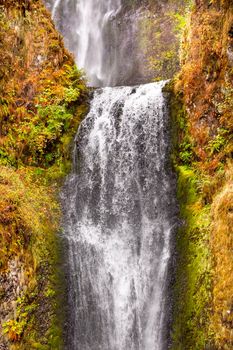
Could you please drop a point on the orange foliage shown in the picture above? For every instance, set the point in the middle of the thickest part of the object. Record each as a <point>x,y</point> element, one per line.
<point>206,83</point>
<point>222,247</point>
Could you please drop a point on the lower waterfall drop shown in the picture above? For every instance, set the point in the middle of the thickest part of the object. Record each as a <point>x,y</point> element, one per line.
<point>120,212</point>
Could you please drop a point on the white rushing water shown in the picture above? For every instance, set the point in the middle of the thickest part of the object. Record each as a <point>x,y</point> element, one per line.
<point>87,24</point>
<point>91,26</point>
<point>103,36</point>
<point>119,214</point>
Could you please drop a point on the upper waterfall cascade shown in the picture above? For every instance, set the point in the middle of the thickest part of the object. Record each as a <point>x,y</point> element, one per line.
<point>102,36</point>
<point>119,215</point>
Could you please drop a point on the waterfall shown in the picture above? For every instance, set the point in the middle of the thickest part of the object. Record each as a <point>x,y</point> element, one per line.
<point>119,202</point>
<point>91,28</point>
<point>104,38</point>
<point>119,215</point>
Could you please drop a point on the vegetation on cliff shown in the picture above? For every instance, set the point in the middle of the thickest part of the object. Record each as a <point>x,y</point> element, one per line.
<point>43,98</point>
<point>202,131</point>
<point>159,36</point>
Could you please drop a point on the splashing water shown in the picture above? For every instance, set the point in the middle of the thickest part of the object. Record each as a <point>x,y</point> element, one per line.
<point>119,215</point>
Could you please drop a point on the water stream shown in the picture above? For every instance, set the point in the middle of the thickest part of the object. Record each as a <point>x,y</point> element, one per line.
<point>119,214</point>
<point>119,202</point>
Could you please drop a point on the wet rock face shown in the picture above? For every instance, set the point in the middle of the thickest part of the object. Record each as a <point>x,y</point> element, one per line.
<point>12,285</point>
<point>230,55</point>
<point>132,42</point>
<point>230,33</point>
<point>230,46</point>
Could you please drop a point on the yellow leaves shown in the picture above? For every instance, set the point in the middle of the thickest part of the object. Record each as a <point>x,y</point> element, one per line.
<point>13,330</point>
<point>4,111</point>
<point>222,247</point>
<point>20,113</point>
<point>26,207</point>
<point>35,113</point>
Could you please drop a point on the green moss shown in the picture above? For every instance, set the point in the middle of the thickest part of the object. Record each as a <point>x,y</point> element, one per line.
<point>159,37</point>
<point>219,141</point>
<point>30,212</point>
<point>201,124</point>
<point>192,290</point>
<point>182,144</point>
